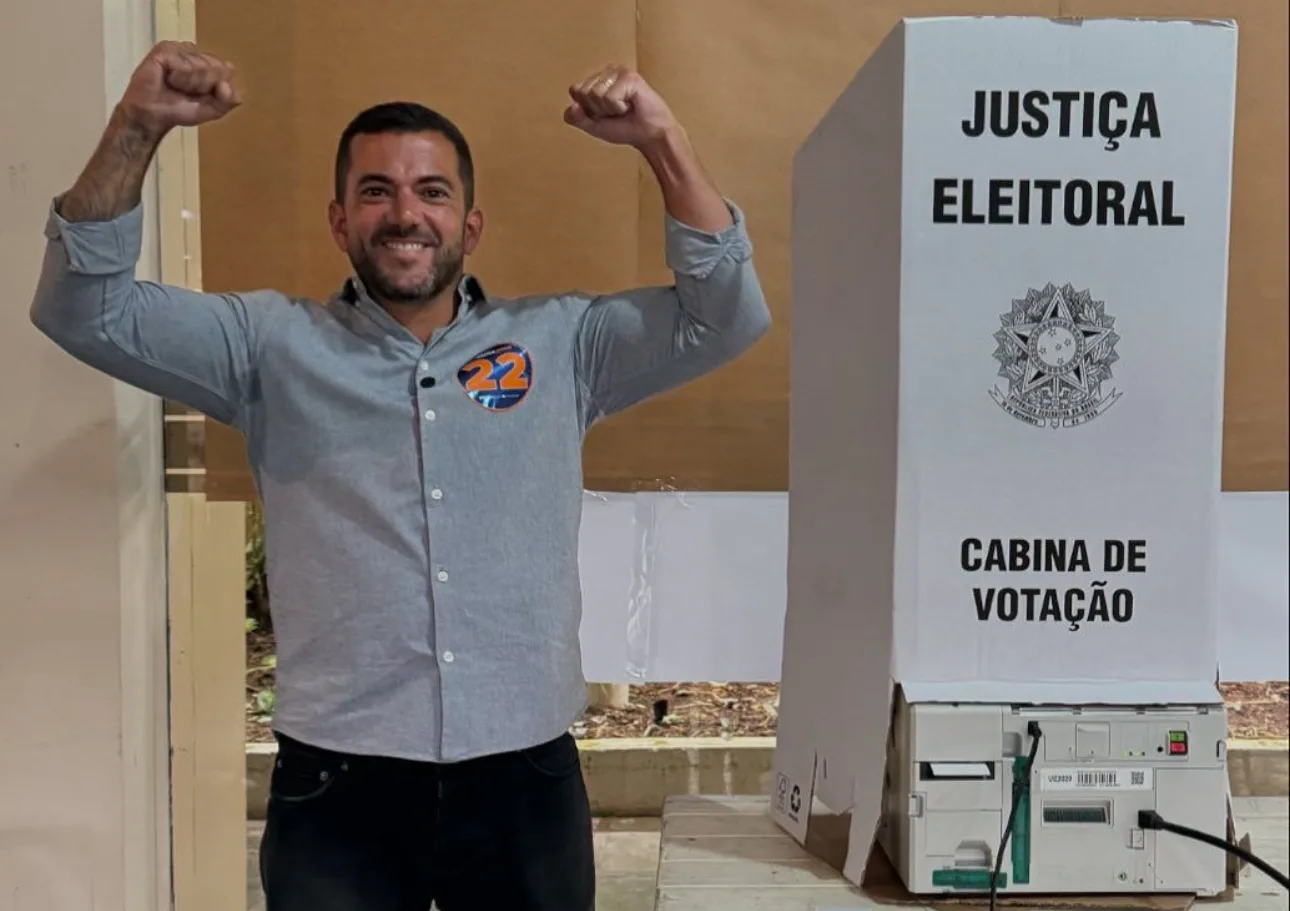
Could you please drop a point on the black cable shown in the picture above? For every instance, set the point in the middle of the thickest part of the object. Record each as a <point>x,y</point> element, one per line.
<point>1150,819</point>
<point>1020,787</point>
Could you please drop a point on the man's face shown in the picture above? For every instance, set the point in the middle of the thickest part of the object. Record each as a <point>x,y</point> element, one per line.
<point>403,222</point>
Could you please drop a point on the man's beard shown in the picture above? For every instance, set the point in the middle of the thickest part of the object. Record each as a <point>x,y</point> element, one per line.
<point>445,271</point>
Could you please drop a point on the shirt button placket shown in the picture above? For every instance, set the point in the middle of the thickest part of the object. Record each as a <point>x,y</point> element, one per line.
<point>448,656</point>
<point>436,497</point>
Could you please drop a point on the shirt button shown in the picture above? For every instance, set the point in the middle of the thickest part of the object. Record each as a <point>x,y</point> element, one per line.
<point>430,415</point>
<point>423,367</point>
<point>436,494</point>
<point>447,657</point>
<point>442,575</point>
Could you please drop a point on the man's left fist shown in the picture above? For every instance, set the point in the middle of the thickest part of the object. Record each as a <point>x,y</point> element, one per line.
<point>618,106</point>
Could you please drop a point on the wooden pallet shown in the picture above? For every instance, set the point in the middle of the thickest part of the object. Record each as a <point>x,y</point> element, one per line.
<point>726,854</point>
<point>720,853</point>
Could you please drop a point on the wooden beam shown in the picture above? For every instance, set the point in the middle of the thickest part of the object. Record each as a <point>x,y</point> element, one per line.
<point>207,572</point>
<point>208,698</point>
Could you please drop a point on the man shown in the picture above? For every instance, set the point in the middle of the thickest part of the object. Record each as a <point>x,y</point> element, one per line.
<point>416,444</point>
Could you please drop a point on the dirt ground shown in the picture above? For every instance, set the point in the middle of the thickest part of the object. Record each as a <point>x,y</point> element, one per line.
<point>1257,711</point>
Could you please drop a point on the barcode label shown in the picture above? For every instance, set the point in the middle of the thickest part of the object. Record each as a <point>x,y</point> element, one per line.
<point>1106,779</point>
<point>1095,779</point>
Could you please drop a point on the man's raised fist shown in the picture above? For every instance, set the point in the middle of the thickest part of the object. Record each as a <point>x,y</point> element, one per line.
<point>177,85</point>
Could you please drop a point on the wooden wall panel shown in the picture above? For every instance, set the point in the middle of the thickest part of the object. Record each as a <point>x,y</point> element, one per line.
<point>749,78</point>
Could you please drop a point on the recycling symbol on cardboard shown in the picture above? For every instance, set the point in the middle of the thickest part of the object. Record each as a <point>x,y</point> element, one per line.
<point>795,800</point>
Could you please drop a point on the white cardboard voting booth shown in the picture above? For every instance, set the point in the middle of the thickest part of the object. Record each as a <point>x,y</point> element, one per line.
<point>1010,248</point>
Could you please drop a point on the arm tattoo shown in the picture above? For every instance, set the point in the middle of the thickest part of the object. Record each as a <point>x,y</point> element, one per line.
<point>112,182</point>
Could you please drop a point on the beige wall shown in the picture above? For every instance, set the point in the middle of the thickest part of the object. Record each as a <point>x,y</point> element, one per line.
<point>83,819</point>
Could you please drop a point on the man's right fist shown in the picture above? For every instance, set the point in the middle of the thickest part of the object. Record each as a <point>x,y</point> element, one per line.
<point>177,85</point>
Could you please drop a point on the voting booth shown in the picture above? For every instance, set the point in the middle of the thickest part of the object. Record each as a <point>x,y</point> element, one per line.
<point>1010,255</point>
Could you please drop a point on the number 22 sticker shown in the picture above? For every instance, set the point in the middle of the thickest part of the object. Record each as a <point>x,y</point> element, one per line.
<point>499,377</point>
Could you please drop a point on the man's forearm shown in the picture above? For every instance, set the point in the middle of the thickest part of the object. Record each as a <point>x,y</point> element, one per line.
<point>689,194</point>
<point>112,182</point>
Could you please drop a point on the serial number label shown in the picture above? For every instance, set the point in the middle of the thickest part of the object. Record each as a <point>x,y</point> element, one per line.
<point>1095,780</point>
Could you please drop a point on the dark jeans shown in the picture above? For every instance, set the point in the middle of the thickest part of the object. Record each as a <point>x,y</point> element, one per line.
<point>351,833</point>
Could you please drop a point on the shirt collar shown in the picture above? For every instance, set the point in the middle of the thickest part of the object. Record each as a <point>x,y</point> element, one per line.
<point>470,289</point>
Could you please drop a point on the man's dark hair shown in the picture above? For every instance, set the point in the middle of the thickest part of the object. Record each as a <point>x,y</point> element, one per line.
<point>405,117</point>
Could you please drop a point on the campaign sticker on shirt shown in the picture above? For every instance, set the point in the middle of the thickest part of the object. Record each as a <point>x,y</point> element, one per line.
<point>498,377</point>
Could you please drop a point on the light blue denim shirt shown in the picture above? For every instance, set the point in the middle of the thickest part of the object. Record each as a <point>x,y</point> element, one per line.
<point>422,502</point>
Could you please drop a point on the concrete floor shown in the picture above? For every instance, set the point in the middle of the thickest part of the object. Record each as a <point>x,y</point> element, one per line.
<point>627,858</point>
<point>626,864</point>
<point>1267,820</point>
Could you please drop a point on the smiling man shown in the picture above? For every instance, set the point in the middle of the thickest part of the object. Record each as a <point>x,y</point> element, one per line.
<point>417,447</point>
<point>409,258</point>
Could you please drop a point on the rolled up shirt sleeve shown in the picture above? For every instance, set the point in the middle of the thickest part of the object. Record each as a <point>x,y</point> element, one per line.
<point>635,344</point>
<point>184,345</point>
